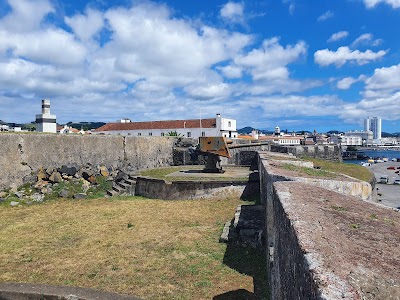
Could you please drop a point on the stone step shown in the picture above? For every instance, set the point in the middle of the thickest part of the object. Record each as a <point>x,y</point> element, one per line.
<point>129,181</point>
<point>124,185</point>
<point>118,189</point>
<point>112,193</point>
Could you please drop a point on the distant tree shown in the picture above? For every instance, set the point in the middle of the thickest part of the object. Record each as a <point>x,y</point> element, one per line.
<point>173,133</point>
<point>351,148</point>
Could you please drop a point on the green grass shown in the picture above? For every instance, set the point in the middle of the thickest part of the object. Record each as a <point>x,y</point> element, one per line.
<point>162,173</point>
<point>153,249</point>
<point>309,171</point>
<point>352,170</point>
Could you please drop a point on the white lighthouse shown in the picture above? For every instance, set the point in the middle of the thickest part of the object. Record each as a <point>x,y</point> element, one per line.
<point>46,122</point>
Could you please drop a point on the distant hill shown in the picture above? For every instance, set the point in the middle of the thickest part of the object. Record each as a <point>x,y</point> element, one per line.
<point>86,125</point>
<point>385,134</point>
<point>248,130</point>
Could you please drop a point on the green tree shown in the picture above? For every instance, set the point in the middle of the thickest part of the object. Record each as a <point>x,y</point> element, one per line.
<point>173,133</point>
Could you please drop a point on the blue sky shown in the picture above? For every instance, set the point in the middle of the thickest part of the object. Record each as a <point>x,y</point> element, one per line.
<point>293,63</point>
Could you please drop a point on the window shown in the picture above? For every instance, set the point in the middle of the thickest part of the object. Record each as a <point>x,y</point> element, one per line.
<point>189,134</point>
<point>203,133</point>
<point>229,123</point>
<point>162,134</point>
<point>139,134</point>
<point>150,133</point>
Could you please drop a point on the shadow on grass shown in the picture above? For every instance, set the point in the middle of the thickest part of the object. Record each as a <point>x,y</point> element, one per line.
<point>251,262</point>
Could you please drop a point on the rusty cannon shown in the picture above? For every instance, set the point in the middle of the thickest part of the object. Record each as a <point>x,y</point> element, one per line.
<point>215,147</point>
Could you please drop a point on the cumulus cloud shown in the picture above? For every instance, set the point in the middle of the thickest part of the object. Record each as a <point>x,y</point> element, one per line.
<point>338,36</point>
<point>271,60</point>
<point>231,71</point>
<point>384,78</point>
<point>86,26</point>
<point>325,16</point>
<point>366,39</point>
<point>233,12</point>
<point>347,82</point>
<point>343,55</point>
<point>26,15</point>
<point>373,3</point>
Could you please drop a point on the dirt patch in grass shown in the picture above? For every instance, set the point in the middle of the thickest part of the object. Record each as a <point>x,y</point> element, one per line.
<point>153,249</point>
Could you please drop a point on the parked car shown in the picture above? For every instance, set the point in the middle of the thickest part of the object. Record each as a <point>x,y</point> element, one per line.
<point>384,179</point>
<point>391,168</point>
<point>396,181</point>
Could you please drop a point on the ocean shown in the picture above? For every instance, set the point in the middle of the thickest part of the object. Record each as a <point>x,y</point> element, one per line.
<point>375,153</point>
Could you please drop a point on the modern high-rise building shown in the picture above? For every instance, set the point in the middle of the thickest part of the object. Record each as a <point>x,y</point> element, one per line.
<point>374,124</point>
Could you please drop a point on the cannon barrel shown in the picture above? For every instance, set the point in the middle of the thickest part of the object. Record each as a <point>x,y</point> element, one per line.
<point>246,145</point>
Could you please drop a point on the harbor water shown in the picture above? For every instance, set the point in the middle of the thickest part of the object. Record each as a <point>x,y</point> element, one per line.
<point>378,153</point>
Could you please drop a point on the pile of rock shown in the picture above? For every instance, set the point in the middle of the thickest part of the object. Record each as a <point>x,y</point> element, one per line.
<point>65,182</point>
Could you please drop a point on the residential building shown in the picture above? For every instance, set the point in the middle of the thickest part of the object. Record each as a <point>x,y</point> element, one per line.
<point>284,140</point>
<point>367,136</point>
<point>374,124</point>
<point>46,122</point>
<point>195,128</point>
<point>347,140</point>
<point>67,129</point>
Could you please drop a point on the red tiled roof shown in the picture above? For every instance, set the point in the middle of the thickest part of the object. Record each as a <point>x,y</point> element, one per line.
<point>171,124</point>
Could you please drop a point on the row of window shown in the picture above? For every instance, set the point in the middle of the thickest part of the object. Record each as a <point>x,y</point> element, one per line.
<point>188,134</point>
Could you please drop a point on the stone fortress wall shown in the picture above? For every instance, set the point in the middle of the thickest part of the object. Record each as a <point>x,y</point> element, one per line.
<point>321,244</point>
<point>21,155</point>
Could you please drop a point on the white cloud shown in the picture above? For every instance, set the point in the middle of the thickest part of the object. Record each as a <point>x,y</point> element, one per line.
<point>373,3</point>
<point>366,39</point>
<point>338,36</point>
<point>231,71</point>
<point>347,82</point>
<point>344,54</point>
<point>326,15</point>
<point>384,79</point>
<point>233,12</point>
<point>26,15</point>
<point>86,26</point>
<point>270,61</point>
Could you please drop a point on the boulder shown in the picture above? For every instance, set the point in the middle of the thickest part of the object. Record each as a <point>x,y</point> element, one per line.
<point>87,173</point>
<point>14,203</point>
<point>50,170</point>
<point>63,193</point>
<point>92,179</point>
<point>55,177</point>
<point>103,171</point>
<point>80,196</point>
<point>36,197</point>
<point>40,184</point>
<point>69,170</point>
<point>19,194</point>
<point>42,175</point>
<point>3,194</point>
<point>2,200</point>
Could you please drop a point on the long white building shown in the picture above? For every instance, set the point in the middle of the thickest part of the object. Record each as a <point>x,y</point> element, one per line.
<point>195,128</point>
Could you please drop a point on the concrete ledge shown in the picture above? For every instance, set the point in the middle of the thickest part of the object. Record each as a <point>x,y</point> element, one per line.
<point>26,291</point>
<point>187,189</point>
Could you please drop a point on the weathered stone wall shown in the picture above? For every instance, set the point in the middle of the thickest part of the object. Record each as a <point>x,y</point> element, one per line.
<point>324,244</point>
<point>161,189</point>
<point>326,152</point>
<point>22,154</point>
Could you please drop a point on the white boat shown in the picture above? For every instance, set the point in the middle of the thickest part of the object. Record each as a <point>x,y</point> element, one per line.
<point>385,159</point>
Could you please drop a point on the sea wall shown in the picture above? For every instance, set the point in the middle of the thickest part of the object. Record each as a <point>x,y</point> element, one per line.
<point>23,154</point>
<point>324,244</point>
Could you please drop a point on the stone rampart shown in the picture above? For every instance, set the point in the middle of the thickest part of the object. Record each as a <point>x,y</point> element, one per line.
<point>22,154</point>
<point>326,152</point>
<point>325,244</point>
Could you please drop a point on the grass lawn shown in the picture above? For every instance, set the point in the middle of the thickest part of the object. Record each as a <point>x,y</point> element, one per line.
<point>153,249</point>
<point>352,170</point>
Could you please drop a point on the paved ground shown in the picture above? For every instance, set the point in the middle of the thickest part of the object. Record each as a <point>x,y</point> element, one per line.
<point>390,193</point>
<point>230,172</point>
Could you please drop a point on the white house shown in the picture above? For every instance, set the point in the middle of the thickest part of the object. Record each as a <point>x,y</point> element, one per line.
<point>195,128</point>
